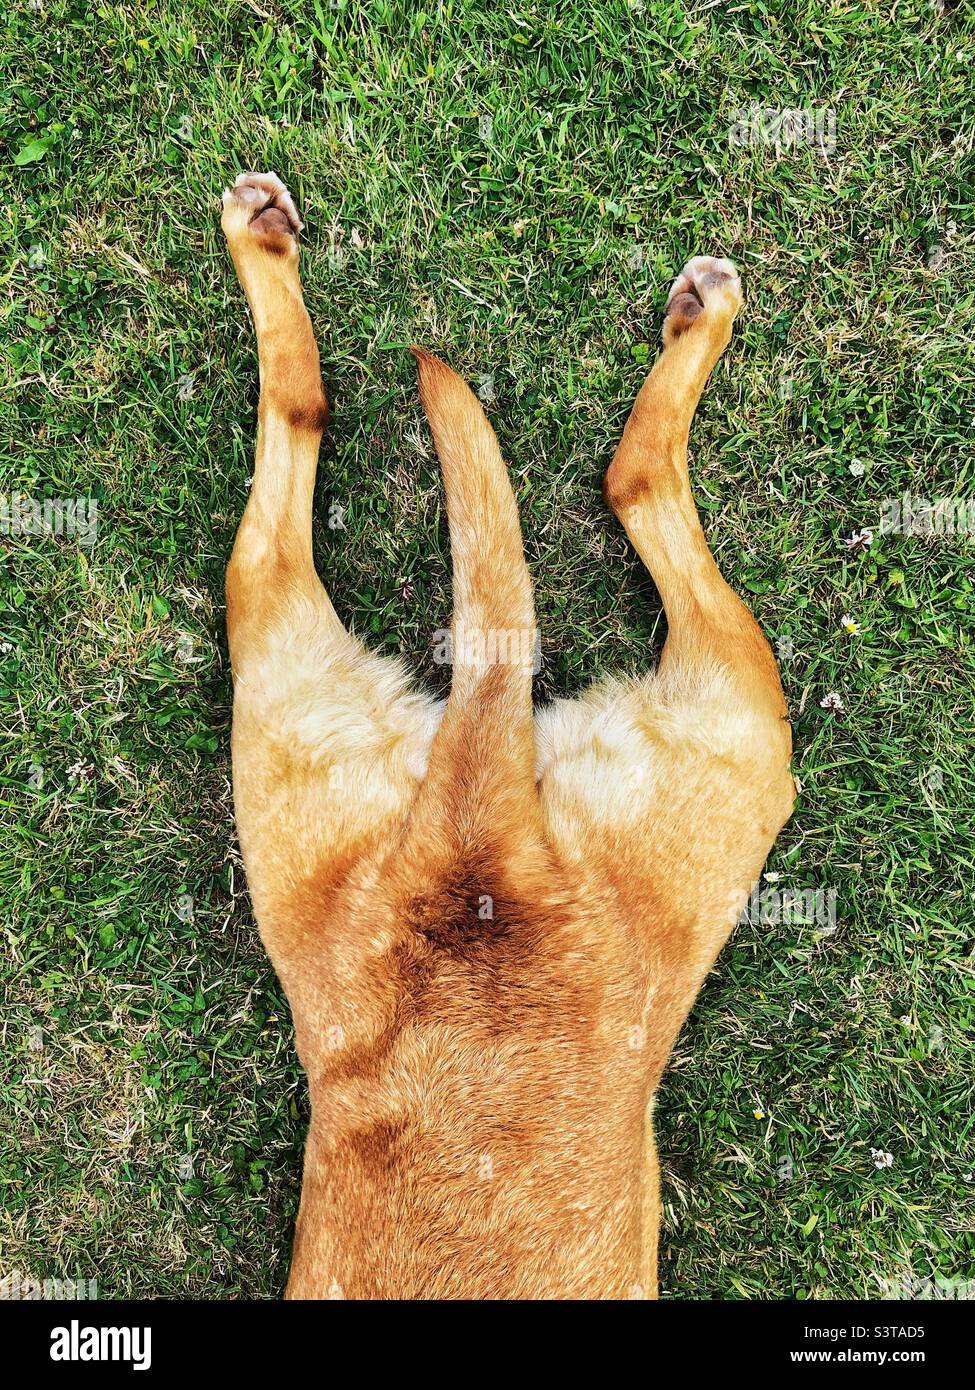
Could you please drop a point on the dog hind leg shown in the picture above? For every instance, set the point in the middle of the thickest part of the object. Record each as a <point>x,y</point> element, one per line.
<point>328,742</point>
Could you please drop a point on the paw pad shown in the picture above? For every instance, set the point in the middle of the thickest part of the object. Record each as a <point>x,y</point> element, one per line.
<point>705,282</point>
<point>259,205</point>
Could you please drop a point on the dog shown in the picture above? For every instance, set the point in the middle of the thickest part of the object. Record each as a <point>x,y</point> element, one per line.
<point>490,923</point>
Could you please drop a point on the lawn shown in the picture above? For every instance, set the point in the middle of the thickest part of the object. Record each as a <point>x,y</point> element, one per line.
<point>513,186</point>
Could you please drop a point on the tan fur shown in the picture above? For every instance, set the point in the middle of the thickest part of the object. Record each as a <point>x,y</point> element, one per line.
<point>490,924</point>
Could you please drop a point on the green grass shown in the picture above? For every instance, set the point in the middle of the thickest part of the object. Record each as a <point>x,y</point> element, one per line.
<point>538,252</point>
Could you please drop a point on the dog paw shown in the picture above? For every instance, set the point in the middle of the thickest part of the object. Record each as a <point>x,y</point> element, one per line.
<point>259,207</point>
<point>706,282</point>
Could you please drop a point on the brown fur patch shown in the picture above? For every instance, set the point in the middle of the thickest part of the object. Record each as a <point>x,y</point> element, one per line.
<point>275,245</point>
<point>375,1147</point>
<point>623,491</point>
<point>312,417</point>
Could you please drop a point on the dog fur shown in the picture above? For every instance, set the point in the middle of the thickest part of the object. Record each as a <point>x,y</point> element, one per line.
<point>490,923</point>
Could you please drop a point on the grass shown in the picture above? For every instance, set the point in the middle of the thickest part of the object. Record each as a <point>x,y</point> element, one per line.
<point>534,248</point>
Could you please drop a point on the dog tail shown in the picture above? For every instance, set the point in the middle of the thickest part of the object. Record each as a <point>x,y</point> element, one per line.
<point>493,638</point>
